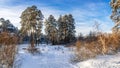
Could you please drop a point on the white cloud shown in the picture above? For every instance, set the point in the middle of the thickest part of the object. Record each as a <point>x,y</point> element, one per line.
<point>12,13</point>
<point>5,1</point>
<point>89,14</point>
<point>51,11</point>
<point>84,30</point>
<point>84,18</point>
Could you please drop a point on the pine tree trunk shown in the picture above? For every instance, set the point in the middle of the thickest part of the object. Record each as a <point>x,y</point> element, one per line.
<point>65,37</point>
<point>53,43</point>
<point>32,40</point>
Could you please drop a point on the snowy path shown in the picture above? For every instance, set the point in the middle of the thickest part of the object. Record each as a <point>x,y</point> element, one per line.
<point>50,57</point>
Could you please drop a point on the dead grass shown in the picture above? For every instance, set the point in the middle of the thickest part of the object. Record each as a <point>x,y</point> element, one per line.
<point>99,44</point>
<point>8,49</point>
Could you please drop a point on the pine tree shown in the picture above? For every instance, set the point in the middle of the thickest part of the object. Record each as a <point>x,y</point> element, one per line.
<point>115,5</point>
<point>66,28</point>
<point>71,28</point>
<point>6,25</point>
<point>31,22</point>
<point>51,29</point>
<point>60,29</point>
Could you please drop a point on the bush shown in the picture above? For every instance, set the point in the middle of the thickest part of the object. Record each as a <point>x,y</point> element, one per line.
<point>99,44</point>
<point>8,49</point>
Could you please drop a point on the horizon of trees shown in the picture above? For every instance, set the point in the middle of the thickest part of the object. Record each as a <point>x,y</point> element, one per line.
<point>59,31</point>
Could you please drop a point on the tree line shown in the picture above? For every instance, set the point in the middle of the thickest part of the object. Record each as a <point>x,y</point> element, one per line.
<point>59,31</point>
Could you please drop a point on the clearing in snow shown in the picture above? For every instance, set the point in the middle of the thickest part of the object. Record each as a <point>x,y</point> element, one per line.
<point>49,57</point>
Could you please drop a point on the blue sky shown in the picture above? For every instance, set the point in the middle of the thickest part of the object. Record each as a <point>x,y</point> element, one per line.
<point>85,12</point>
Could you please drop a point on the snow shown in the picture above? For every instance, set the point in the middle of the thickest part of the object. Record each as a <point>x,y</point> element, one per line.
<point>106,61</point>
<point>60,57</point>
<point>49,57</point>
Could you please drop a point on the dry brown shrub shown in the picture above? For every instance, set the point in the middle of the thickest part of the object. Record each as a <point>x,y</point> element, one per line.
<point>8,49</point>
<point>86,50</point>
<point>104,42</point>
<point>100,44</point>
<point>78,45</point>
<point>109,42</point>
<point>115,41</point>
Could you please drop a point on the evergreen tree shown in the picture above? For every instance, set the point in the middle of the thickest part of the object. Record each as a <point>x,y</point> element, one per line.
<point>66,28</point>
<point>31,22</point>
<point>71,28</point>
<point>115,5</point>
<point>51,29</point>
<point>60,29</point>
<point>6,25</point>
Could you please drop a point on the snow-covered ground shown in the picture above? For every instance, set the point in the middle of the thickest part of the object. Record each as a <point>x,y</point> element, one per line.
<point>60,57</point>
<point>107,61</point>
<point>49,57</point>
